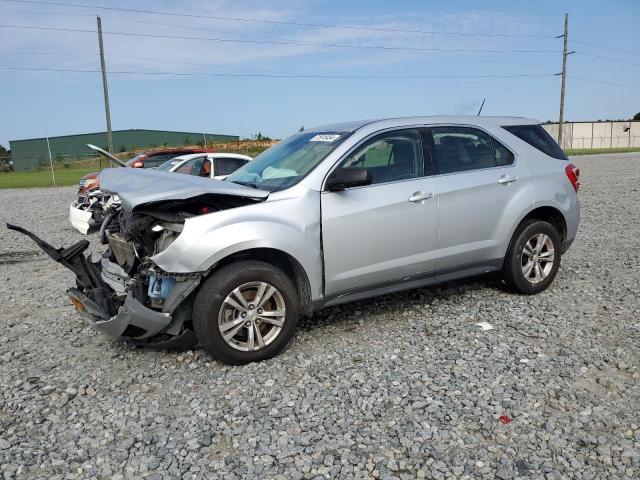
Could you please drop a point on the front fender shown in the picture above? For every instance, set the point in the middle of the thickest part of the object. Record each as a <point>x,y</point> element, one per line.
<point>291,225</point>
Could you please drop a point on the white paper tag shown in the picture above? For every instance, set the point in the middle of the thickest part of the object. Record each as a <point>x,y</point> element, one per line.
<point>485,326</point>
<point>325,138</point>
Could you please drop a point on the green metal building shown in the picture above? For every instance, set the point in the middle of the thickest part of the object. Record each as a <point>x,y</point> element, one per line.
<point>30,153</point>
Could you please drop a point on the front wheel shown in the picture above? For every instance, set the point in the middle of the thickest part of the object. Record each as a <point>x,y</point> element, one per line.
<point>245,312</point>
<point>533,257</point>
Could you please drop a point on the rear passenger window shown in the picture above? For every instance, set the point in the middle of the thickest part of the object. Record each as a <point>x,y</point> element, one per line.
<point>390,156</point>
<point>226,166</point>
<point>503,156</point>
<point>460,149</point>
<point>537,137</point>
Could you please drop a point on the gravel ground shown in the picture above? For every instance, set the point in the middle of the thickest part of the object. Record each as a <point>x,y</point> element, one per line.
<point>403,386</point>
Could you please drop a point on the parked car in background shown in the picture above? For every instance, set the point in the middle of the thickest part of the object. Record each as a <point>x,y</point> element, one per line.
<point>330,215</point>
<point>148,159</point>
<point>92,203</point>
<point>209,165</point>
<point>155,158</point>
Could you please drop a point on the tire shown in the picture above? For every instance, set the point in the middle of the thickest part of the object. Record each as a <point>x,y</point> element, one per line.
<point>518,261</point>
<point>217,307</point>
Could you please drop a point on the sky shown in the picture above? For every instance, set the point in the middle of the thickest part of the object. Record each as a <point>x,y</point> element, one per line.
<point>506,51</point>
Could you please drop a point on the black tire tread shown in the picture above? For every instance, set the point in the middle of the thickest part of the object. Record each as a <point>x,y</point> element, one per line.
<point>511,271</point>
<point>212,293</point>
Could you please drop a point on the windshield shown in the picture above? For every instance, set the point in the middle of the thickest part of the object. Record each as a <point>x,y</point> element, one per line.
<point>168,165</point>
<point>289,161</point>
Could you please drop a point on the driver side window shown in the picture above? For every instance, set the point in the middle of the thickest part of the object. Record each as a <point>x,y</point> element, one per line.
<point>390,156</point>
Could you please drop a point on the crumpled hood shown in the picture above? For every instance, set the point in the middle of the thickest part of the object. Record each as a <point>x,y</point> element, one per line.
<point>137,186</point>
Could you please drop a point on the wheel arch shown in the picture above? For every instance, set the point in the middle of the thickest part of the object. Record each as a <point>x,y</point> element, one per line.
<point>281,260</point>
<point>550,214</point>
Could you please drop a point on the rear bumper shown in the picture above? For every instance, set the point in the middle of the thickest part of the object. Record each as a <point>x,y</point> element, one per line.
<point>133,320</point>
<point>80,219</point>
<point>573,221</point>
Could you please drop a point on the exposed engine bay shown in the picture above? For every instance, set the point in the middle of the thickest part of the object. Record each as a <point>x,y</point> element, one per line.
<point>124,293</point>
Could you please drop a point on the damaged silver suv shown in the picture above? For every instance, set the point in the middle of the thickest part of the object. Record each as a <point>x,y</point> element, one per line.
<point>327,216</point>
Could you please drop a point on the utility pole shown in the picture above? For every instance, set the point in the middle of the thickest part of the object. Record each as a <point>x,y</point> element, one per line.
<point>105,87</point>
<point>564,75</point>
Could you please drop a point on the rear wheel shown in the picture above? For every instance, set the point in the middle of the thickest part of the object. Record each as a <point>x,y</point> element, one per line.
<point>245,312</point>
<point>533,257</point>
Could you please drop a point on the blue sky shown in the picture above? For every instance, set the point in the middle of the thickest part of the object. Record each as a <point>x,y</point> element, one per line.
<point>38,103</point>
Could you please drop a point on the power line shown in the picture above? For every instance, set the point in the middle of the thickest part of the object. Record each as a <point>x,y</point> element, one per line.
<point>406,81</point>
<point>57,54</point>
<point>637,54</point>
<point>311,76</point>
<point>199,64</point>
<point>606,58</point>
<point>148,59</point>
<point>286,74</point>
<point>130,19</point>
<point>275,42</point>
<point>602,82</point>
<point>154,59</point>
<point>278,22</point>
<point>268,75</point>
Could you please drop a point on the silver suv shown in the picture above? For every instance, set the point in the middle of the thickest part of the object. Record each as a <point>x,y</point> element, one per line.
<point>329,215</point>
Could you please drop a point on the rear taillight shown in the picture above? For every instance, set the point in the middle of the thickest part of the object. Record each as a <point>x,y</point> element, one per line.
<point>573,174</point>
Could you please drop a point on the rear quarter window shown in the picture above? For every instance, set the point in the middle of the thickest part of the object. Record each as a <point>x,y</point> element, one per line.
<point>538,138</point>
<point>227,165</point>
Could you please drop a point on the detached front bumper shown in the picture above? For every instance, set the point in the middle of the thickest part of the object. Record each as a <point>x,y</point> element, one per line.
<point>80,219</point>
<point>133,319</point>
<point>135,322</point>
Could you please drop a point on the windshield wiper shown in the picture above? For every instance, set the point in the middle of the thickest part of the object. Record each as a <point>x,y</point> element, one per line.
<point>246,184</point>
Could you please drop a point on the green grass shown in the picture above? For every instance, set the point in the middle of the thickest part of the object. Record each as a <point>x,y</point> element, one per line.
<point>598,151</point>
<point>71,176</point>
<point>42,178</point>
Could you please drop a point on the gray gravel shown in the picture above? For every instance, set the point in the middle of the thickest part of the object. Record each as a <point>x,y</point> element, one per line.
<point>402,386</point>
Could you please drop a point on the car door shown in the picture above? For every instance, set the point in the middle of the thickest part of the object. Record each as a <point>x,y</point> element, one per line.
<point>478,182</point>
<point>386,231</point>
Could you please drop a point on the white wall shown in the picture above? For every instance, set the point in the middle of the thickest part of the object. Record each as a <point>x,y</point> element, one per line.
<point>596,134</point>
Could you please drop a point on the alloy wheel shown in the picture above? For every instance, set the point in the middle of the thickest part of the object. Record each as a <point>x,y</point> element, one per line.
<point>252,316</point>
<point>538,257</point>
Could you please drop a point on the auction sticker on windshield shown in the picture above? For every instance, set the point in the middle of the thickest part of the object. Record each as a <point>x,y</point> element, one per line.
<point>324,138</point>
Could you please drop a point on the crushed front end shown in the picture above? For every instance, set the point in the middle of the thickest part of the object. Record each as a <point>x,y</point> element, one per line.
<point>124,294</point>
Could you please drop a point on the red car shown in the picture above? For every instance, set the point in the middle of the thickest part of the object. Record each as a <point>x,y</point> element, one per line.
<point>142,160</point>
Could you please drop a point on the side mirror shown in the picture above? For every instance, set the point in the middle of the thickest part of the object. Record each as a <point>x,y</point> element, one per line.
<point>348,177</point>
